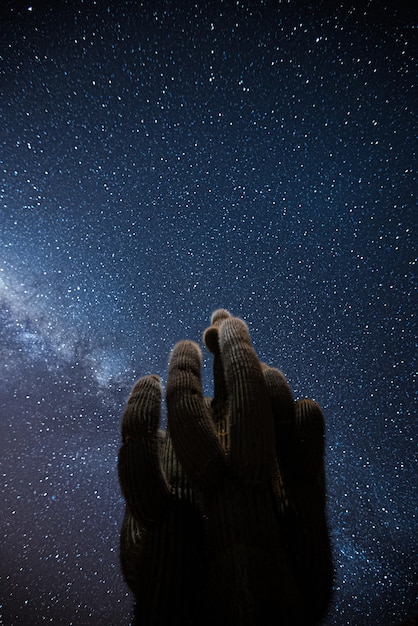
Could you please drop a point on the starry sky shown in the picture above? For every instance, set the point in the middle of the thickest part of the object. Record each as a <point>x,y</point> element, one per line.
<point>162,159</point>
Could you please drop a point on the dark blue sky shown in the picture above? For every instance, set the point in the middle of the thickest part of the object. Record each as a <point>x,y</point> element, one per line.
<point>163,159</point>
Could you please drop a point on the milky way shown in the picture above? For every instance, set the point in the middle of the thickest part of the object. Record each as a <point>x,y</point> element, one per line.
<point>163,159</point>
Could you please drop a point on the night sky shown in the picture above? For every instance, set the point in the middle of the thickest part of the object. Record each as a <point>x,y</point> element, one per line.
<point>162,159</point>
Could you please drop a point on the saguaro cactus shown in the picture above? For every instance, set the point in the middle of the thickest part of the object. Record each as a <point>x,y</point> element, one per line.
<point>225,515</point>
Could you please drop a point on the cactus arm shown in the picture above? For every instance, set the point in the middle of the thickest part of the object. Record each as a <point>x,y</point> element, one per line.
<point>284,416</point>
<point>310,433</point>
<point>251,428</point>
<point>191,428</point>
<point>161,543</point>
<point>142,481</point>
<point>302,514</point>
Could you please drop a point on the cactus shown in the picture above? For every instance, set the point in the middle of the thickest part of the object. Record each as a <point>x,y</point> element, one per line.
<point>161,542</point>
<point>225,514</point>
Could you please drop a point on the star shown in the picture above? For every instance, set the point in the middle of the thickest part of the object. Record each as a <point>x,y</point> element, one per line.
<point>162,160</point>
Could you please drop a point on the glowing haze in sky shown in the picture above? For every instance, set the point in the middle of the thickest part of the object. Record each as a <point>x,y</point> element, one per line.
<point>163,159</point>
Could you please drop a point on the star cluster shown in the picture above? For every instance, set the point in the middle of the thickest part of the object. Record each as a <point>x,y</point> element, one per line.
<point>162,159</point>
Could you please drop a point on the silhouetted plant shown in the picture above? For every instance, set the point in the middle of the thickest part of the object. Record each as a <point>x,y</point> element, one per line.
<point>225,513</point>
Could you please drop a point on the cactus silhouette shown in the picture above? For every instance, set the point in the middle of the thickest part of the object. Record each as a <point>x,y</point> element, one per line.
<point>225,513</point>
